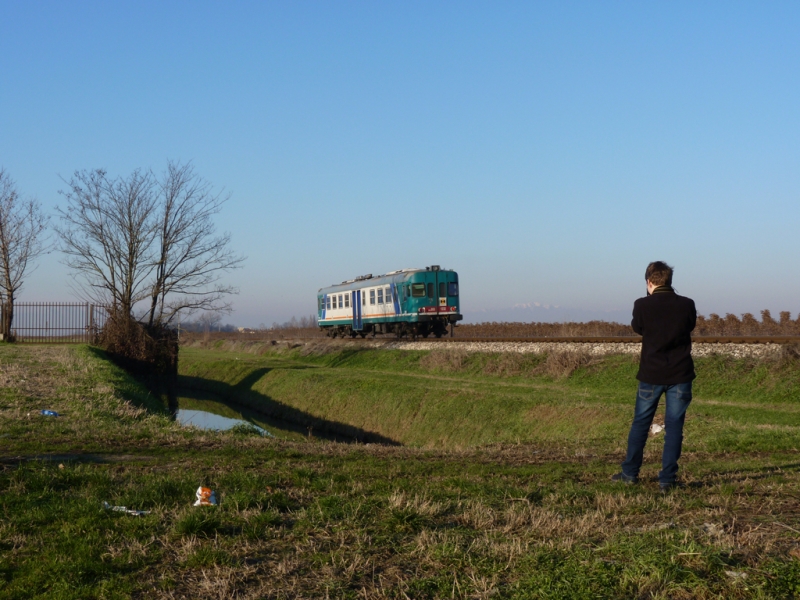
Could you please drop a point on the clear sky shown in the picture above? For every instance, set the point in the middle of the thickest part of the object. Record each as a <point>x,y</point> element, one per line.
<point>547,151</point>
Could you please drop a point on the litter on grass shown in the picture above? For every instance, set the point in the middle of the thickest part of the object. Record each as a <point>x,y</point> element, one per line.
<point>655,429</point>
<point>736,574</point>
<point>49,413</point>
<point>125,509</point>
<point>206,497</point>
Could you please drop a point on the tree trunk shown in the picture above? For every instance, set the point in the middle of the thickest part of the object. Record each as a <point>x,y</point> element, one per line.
<point>8,317</point>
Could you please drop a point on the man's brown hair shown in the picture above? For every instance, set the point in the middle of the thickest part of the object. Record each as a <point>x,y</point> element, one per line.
<point>658,273</point>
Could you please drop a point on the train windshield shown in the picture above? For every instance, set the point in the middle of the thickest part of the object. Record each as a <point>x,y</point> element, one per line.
<point>452,288</point>
<point>418,290</point>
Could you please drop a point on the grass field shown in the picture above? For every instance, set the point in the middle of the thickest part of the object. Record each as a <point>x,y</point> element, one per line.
<point>492,481</point>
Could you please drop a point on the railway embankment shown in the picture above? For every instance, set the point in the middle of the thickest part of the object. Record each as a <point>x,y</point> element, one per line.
<point>316,345</point>
<point>442,395</point>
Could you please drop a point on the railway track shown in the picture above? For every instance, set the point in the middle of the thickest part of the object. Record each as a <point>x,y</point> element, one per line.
<point>761,339</point>
<point>782,339</point>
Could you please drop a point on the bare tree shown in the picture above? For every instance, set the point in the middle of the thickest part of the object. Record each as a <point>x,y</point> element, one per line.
<point>107,233</point>
<point>190,258</point>
<point>22,225</point>
<point>209,320</point>
<point>139,238</point>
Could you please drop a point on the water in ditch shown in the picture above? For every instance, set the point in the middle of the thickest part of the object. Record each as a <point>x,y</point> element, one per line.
<point>208,411</point>
<point>209,420</point>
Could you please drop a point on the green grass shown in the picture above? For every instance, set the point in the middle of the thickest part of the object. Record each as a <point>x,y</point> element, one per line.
<point>449,400</point>
<point>451,518</point>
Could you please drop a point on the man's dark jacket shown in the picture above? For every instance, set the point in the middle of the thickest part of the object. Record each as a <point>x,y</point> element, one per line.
<point>665,321</point>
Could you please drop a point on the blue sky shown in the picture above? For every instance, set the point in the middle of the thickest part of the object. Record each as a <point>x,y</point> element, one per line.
<point>547,151</point>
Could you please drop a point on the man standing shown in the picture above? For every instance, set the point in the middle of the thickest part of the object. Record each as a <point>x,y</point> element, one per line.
<point>665,321</point>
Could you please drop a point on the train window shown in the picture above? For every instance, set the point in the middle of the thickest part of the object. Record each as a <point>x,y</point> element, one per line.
<point>328,302</point>
<point>452,288</point>
<point>388,295</point>
<point>347,300</point>
<point>418,290</point>
<point>341,305</point>
<point>442,288</point>
<point>334,303</point>
<point>430,290</point>
<point>372,296</point>
<point>380,295</point>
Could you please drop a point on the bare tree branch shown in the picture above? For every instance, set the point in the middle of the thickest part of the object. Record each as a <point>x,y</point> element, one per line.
<point>191,257</point>
<point>22,225</point>
<point>107,233</point>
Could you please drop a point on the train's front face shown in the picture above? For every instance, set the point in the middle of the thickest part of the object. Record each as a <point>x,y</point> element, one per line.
<point>433,295</point>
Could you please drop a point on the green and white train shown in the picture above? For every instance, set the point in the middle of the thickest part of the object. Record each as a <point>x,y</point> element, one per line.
<point>406,302</point>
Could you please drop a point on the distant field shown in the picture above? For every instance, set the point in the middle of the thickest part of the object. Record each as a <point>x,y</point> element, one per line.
<point>499,486</point>
<point>713,325</point>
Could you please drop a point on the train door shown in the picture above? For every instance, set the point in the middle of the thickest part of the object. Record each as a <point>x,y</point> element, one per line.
<point>441,287</point>
<point>357,323</point>
<point>396,299</point>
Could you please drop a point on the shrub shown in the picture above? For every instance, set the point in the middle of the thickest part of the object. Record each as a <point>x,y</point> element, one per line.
<point>149,353</point>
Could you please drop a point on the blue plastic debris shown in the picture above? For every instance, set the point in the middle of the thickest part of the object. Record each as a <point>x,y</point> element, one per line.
<point>49,413</point>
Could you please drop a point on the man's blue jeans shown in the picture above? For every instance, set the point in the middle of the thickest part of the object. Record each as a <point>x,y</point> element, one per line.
<point>678,398</point>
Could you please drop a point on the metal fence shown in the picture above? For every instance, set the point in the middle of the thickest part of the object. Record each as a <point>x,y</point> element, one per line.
<point>56,322</point>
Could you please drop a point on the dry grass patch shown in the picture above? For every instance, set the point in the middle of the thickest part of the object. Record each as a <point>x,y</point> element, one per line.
<point>560,365</point>
<point>418,503</point>
<point>448,361</point>
<point>508,364</point>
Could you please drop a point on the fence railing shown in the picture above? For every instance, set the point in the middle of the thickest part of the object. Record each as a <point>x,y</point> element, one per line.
<point>56,322</point>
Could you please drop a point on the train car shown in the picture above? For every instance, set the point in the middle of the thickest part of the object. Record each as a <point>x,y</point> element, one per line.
<point>408,302</point>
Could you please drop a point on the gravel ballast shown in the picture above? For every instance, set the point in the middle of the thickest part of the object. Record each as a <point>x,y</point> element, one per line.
<point>597,349</point>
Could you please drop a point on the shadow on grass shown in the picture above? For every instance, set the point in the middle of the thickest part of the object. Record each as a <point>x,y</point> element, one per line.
<point>740,475</point>
<point>272,412</point>
<point>141,387</point>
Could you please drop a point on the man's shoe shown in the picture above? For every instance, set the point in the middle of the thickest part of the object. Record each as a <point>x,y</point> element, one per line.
<point>622,478</point>
<point>667,487</point>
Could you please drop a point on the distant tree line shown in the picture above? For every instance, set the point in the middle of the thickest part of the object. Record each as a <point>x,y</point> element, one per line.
<point>712,326</point>
<point>205,326</point>
<point>309,322</point>
<point>747,325</point>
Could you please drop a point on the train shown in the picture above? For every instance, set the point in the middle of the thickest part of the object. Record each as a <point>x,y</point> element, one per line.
<point>408,302</point>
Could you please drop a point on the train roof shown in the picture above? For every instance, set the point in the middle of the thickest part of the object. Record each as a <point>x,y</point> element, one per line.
<point>376,279</point>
